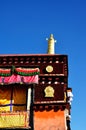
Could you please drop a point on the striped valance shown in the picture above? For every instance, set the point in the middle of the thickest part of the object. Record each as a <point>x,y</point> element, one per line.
<point>19,75</point>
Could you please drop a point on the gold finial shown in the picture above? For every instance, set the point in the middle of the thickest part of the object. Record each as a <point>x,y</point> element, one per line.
<point>51,44</point>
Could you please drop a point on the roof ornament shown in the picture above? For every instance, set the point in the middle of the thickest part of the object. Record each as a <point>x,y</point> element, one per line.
<point>51,44</point>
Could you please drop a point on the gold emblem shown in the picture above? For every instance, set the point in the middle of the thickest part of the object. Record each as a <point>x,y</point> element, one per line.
<point>49,68</point>
<point>49,91</point>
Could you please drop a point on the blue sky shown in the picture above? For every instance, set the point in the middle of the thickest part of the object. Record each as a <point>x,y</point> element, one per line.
<point>24,27</point>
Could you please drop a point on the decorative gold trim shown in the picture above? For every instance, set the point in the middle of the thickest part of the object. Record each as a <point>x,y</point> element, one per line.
<point>64,96</point>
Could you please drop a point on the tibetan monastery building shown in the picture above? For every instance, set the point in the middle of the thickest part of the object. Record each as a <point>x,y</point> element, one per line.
<point>34,92</point>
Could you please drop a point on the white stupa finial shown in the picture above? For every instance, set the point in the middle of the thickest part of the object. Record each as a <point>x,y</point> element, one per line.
<point>51,44</point>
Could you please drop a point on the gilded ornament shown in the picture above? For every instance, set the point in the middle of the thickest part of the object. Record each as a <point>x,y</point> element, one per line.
<point>49,91</point>
<point>49,68</point>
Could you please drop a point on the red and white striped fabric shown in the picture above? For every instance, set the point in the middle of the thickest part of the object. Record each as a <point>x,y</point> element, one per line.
<point>20,75</point>
<point>19,79</point>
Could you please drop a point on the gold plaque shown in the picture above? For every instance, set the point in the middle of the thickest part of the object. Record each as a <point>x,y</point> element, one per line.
<point>49,91</point>
<point>49,68</point>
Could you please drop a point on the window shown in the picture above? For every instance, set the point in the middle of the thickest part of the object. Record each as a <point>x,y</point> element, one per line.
<point>13,97</point>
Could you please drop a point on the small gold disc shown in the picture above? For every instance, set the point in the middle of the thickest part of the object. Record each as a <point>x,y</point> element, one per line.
<point>49,68</point>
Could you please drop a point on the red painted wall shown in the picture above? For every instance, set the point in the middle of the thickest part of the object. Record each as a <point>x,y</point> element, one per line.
<point>49,120</point>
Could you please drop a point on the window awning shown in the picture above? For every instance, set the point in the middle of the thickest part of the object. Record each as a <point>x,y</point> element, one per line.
<point>19,75</point>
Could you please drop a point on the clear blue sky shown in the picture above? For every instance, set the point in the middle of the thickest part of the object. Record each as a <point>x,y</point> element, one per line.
<point>24,26</point>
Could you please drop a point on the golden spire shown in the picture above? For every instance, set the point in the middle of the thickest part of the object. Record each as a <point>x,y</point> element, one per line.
<point>51,44</point>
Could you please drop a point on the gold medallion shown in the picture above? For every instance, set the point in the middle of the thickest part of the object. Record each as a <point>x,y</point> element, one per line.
<point>49,68</point>
<point>49,91</point>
